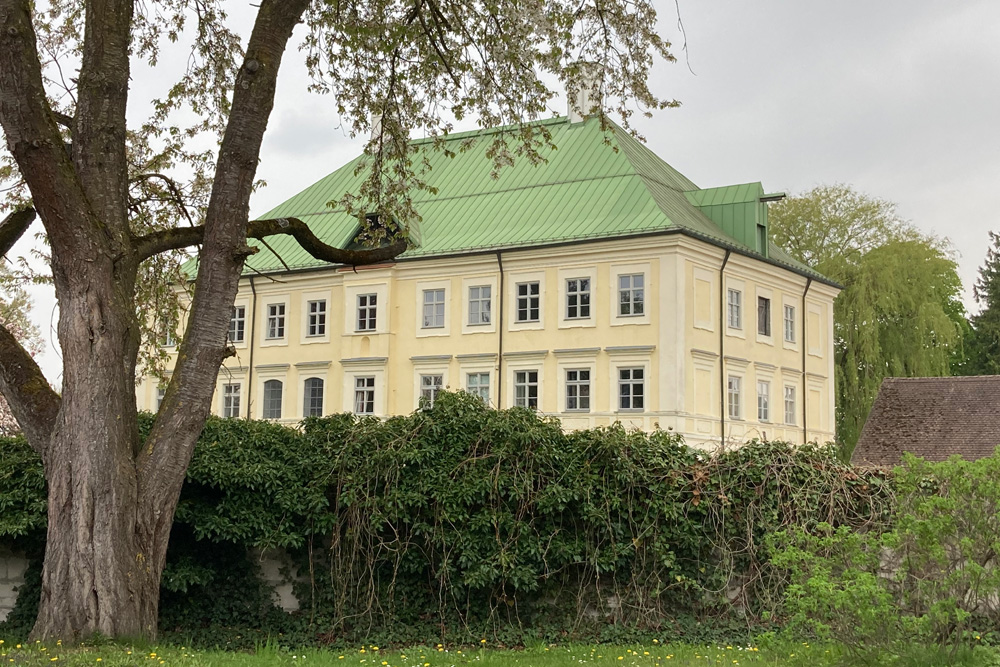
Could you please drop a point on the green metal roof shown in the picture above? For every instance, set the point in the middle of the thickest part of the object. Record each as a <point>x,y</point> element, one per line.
<point>592,186</point>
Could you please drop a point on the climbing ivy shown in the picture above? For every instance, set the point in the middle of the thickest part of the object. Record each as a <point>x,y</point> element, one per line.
<point>460,522</point>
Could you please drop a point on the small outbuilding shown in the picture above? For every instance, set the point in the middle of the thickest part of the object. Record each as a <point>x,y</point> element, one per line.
<point>933,418</point>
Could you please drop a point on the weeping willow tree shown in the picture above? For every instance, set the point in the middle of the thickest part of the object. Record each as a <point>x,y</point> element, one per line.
<point>899,314</point>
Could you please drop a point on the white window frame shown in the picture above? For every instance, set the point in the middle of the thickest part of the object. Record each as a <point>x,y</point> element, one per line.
<point>227,408</point>
<point>468,326</point>
<point>161,392</point>
<point>788,322</point>
<point>791,405</point>
<point>764,301</point>
<point>763,401</point>
<point>477,390</point>
<point>307,397</point>
<point>368,384</point>
<point>238,316</point>
<point>578,389</point>
<point>528,297</point>
<point>631,382</point>
<point>266,401</point>
<point>316,318</point>
<point>527,384</point>
<point>276,321</point>
<point>435,309</point>
<point>366,312</point>
<point>734,308</point>
<point>578,297</point>
<point>351,300</point>
<point>631,290</point>
<point>734,397</point>
<point>513,280</point>
<point>430,385</point>
<point>617,272</point>
<point>167,337</point>
<point>478,310</point>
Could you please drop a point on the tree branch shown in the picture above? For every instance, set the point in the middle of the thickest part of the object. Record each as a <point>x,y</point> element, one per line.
<point>34,138</point>
<point>32,401</point>
<point>13,227</point>
<point>188,398</point>
<point>183,237</point>
<point>99,136</point>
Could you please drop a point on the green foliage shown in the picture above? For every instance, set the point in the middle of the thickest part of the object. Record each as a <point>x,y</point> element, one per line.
<point>22,490</point>
<point>930,577</point>
<point>983,349</point>
<point>900,314</point>
<point>462,522</point>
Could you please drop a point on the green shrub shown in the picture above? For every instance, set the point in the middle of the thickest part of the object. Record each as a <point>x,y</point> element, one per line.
<point>928,577</point>
<point>462,522</point>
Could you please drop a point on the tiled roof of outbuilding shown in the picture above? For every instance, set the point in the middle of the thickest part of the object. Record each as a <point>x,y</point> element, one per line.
<point>933,418</point>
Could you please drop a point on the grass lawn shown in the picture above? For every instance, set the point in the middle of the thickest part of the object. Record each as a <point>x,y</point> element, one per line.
<point>651,655</point>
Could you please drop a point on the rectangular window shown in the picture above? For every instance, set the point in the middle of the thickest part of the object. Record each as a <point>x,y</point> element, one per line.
<point>316,325</point>
<point>433,309</point>
<point>577,298</point>
<point>480,305</point>
<point>238,324</point>
<point>479,385</point>
<point>275,321</point>
<point>735,302</point>
<point>734,386</point>
<point>273,390</point>
<point>364,395</point>
<point>578,390</point>
<point>526,389</point>
<point>430,385</point>
<point>763,316</point>
<point>528,299</point>
<point>367,312</point>
<point>230,400</point>
<point>160,393</point>
<point>789,324</point>
<point>631,389</point>
<point>312,398</point>
<point>631,295</point>
<point>789,405</point>
<point>763,401</point>
<point>167,334</point>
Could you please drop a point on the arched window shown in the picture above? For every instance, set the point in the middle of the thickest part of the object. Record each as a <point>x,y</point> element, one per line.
<point>313,398</point>
<point>272,399</point>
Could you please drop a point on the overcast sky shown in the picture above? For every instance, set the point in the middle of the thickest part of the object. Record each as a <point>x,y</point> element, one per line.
<point>900,99</point>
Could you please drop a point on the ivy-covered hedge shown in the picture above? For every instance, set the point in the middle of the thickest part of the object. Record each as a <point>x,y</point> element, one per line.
<point>461,522</point>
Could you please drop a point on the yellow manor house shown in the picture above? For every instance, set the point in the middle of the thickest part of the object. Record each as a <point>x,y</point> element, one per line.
<point>599,286</point>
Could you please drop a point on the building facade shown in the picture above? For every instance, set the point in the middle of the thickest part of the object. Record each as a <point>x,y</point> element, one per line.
<point>601,286</point>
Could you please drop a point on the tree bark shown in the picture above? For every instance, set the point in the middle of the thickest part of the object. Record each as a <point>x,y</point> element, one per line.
<point>111,503</point>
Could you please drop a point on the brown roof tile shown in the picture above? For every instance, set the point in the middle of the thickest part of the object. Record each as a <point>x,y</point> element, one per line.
<point>933,418</point>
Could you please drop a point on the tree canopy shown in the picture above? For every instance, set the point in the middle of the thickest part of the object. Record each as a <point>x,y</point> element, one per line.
<point>983,342</point>
<point>117,198</point>
<point>899,314</point>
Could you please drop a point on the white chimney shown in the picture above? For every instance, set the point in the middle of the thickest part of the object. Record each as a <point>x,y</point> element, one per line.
<point>376,123</point>
<point>585,101</point>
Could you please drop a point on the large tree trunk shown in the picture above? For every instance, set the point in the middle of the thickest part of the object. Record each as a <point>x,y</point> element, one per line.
<point>102,560</point>
<point>111,503</point>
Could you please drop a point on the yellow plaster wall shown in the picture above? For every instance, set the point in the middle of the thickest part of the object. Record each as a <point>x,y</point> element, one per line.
<point>676,341</point>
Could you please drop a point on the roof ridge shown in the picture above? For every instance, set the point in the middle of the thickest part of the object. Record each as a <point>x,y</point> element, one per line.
<point>487,131</point>
<point>928,378</point>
